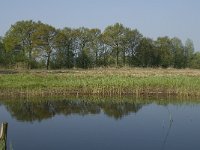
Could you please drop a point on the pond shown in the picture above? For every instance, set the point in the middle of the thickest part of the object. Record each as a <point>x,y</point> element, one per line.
<point>101,124</point>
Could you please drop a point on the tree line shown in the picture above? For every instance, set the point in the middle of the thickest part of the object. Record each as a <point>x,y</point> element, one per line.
<point>38,45</point>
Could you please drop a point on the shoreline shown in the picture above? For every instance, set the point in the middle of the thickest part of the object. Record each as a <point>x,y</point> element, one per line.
<point>63,92</point>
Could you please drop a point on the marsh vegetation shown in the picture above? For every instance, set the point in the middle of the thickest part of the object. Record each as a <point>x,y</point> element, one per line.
<point>102,82</point>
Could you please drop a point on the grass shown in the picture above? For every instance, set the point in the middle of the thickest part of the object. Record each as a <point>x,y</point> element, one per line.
<point>106,82</point>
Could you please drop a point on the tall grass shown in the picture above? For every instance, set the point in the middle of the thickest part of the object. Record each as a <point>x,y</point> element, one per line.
<point>103,82</point>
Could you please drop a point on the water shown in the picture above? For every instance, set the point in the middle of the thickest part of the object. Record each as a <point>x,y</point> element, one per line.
<point>100,125</point>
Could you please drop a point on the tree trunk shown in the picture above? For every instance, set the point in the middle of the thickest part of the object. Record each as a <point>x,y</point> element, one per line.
<point>124,59</point>
<point>117,62</point>
<point>67,59</point>
<point>30,59</point>
<point>48,60</point>
<point>104,56</point>
<point>96,58</point>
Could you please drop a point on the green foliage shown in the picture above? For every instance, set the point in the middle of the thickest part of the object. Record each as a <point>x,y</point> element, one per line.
<point>95,47</point>
<point>44,41</point>
<point>178,50</point>
<point>114,37</point>
<point>83,51</point>
<point>2,52</point>
<point>64,44</point>
<point>36,44</point>
<point>189,51</point>
<point>195,61</point>
<point>19,41</point>
<point>145,53</point>
<point>131,42</point>
<point>164,52</point>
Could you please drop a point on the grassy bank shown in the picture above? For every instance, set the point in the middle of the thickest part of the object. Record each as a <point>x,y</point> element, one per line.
<point>107,82</point>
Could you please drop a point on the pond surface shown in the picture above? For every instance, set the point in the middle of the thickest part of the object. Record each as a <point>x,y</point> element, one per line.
<point>77,124</point>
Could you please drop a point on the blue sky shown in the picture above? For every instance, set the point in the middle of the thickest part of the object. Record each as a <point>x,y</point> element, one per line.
<point>152,18</point>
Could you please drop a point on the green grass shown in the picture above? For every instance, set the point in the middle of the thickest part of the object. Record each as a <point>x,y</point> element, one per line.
<point>103,82</point>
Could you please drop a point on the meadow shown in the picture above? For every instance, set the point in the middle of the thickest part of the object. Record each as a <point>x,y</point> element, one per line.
<point>101,82</point>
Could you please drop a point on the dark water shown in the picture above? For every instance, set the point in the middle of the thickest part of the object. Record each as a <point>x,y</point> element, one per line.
<point>101,125</point>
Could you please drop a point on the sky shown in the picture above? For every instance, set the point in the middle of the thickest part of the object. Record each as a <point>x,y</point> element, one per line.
<point>153,18</point>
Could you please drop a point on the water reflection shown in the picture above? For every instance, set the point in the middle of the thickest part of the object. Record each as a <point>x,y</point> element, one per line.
<point>39,109</point>
<point>44,109</point>
<point>160,124</point>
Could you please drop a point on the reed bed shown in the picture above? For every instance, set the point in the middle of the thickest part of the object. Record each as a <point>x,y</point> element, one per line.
<point>102,82</point>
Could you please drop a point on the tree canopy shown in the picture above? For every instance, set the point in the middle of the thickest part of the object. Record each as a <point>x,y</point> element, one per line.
<point>39,45</point>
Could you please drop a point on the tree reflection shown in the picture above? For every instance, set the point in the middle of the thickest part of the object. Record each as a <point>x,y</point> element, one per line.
<point>44,109</point>
<point>120,109</point>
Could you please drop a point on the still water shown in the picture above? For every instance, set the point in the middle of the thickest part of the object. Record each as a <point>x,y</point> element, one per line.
<point>77,124</point>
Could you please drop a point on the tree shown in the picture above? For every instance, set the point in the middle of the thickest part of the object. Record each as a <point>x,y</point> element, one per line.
<point>83,53</point>
<point>188,52</point>
<point>114,36</point>
<point>145,53</point>
<point>104,52</point>
<point>35,44</point>
<point>95,44</point>
<point>195,61</point>
<point>2,52</point>
<point>64,56</point>
<point>19,40</point>
<point>164,52</point>
<point>44,41</point>
<point>131,41</point>
<point>178,50</point>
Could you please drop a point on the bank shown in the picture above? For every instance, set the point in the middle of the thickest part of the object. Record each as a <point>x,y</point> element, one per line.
<point>102,82</point>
